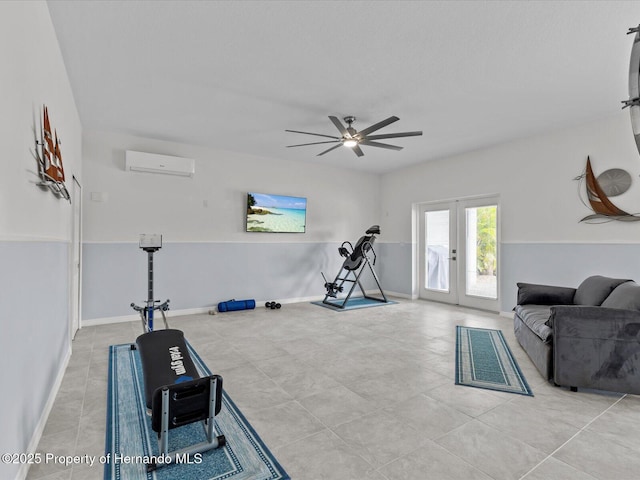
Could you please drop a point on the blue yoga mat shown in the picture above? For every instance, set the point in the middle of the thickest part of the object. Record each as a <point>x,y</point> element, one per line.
<point>233,305</point>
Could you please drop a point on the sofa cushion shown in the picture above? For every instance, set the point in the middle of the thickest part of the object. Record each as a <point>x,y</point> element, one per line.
<point>625,296</point>
<point>535,317</point>
<point>531,293</point>
<point>594,290</point>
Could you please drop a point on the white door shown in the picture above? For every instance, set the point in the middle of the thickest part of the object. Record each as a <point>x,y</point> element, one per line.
<point>437,252</point>
<point>458,252</point>
<point>75,258</point>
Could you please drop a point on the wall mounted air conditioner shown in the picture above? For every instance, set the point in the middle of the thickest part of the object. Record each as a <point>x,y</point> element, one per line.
<point>154,163</point>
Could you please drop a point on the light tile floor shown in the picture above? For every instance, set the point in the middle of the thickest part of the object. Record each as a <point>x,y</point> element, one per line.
<point>366,394</point>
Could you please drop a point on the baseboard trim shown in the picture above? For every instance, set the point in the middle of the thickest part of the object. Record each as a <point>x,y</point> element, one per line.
<point>186,311</point>
<point>397,294</point>
<point>42,422</point>
<point>92,322</point>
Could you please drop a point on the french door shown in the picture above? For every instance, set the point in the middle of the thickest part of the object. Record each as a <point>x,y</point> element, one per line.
<point>458,252</point>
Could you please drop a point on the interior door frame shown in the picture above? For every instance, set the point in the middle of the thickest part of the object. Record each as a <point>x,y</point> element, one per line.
<point>461,298</point>
<point>75,260</point>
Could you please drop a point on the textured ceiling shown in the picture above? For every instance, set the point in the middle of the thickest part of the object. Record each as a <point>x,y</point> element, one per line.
<point>235,75</point>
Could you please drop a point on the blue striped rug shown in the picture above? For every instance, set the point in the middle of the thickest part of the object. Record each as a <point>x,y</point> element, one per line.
<point>484,360</point>
<point>130,437</point>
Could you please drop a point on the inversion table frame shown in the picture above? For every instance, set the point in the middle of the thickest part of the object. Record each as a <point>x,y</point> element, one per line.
<point>354,265</point>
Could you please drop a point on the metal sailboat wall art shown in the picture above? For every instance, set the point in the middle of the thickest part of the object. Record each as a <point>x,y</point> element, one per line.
<point>50,167</point>
<point>634,85</point>
<point>598,190</point>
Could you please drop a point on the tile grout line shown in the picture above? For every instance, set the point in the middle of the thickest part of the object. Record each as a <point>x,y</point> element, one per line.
<point>573,436</point>
<point>84,396</point>
<point>233,335</point>
<point>327,427</point>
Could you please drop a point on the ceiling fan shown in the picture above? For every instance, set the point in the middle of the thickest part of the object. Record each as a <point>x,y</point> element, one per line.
<point>351,138</point>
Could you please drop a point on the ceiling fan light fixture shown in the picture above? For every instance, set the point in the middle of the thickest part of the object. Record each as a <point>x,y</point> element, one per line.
<point>351,138</point>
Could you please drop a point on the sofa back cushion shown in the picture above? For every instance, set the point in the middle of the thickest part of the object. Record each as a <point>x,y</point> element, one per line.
<point>594,290</point>
<point>534,294</point>
<point>625,296</point>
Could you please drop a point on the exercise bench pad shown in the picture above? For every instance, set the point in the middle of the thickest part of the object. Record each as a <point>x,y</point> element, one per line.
<point>165,360</point>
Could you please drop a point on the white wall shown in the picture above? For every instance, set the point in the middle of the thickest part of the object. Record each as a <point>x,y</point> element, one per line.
<point>341,203</point>
<point>534,177</point>
<point>210,209</point>
<point>35,226</point>
<point>538,200</point>
<point>33,74</point>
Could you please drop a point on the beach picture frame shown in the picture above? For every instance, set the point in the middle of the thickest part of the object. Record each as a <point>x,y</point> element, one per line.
<point>270,213</point>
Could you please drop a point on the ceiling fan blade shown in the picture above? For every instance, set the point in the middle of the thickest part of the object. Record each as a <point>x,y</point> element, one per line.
<point>312,143</point>
<point>393,135</point>
<point>377,126</point>
<point>341,128</point>
<point>316,134</point>
<point>358,151</point>
<point>332,148</point>
<point>381,145</point>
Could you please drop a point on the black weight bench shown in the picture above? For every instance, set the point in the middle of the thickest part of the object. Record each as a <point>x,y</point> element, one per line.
<point>175,393</point>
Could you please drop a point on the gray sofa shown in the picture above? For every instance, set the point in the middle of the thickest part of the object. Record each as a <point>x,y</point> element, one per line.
<point>583,337</point>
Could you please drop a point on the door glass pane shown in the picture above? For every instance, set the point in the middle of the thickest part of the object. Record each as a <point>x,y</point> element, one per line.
<point>437,250</point>
<point>482,252</point>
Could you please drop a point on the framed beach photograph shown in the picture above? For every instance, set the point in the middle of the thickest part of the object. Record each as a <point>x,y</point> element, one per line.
<point>276,213</point>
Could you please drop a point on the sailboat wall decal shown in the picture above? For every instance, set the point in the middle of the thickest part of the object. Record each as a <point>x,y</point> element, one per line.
<point>51,170</point>
<point>598,200</point>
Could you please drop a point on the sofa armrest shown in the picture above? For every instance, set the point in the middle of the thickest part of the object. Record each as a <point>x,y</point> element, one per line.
<point>594,322</point>
<point>596,347</point>
<point>534,294</point>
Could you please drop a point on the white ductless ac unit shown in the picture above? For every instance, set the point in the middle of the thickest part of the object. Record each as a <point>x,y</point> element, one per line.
<point>154,163</point>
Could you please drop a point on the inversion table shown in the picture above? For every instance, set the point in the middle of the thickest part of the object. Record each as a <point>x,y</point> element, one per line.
<point>352,268</point>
